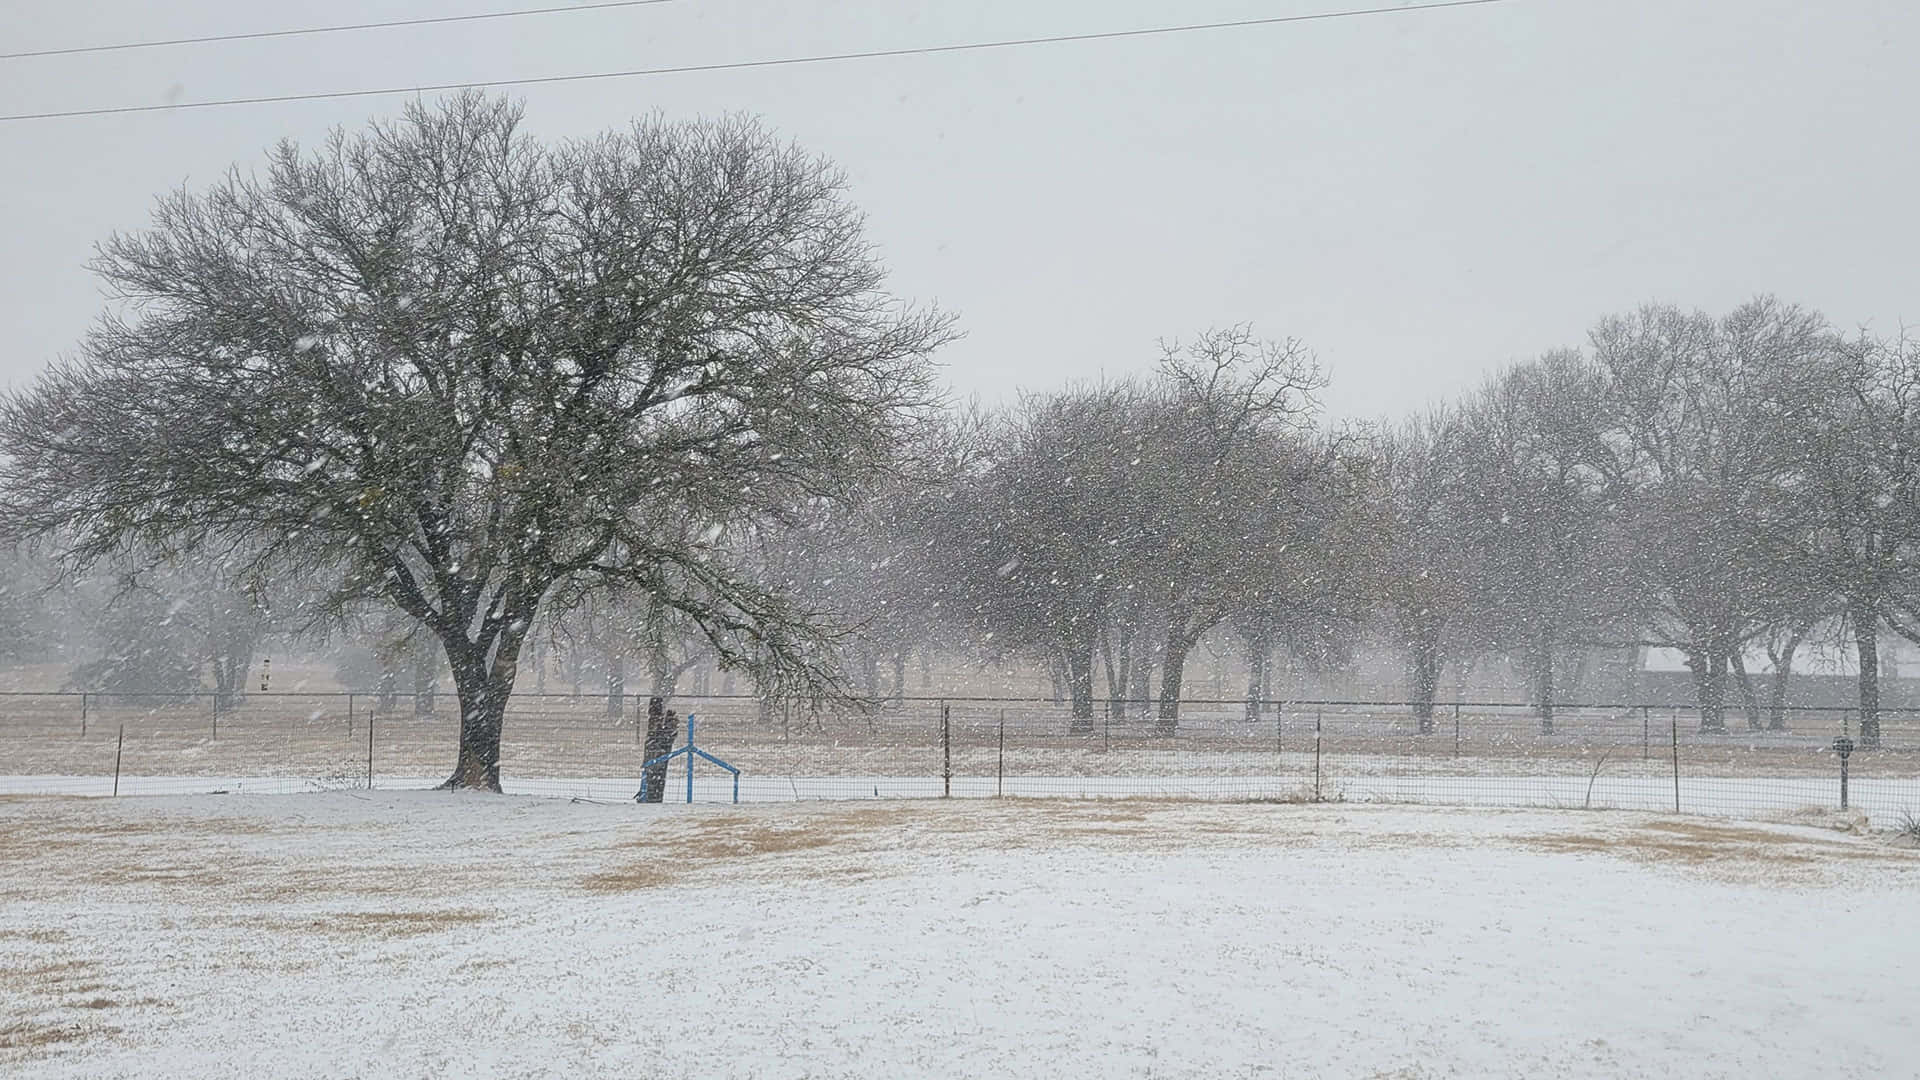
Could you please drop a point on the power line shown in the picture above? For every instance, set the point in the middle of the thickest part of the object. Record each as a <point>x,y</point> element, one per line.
<point>743,65</point>
<point>257,35</point>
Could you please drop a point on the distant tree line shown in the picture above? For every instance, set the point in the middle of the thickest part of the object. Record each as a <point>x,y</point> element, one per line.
<point>1711,485</point>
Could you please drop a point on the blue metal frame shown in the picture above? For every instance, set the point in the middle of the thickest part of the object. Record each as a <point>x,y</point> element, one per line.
<point>690,751</point>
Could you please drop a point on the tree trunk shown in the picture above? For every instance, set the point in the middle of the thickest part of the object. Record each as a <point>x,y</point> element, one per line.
<point>1710,676</point>
<point>926,669</point>
<point>224,679</point>
<point>1119,673</point>
<point>1543,678</point>
<point>1079,672</point>
<point>1866,638</point>
<point>616,685</point>
<point>1426,678</point>
<point>1749,699</point>
<point>1140,678</point>
<point>1173,668</point>
<point>1057,671</point>
<point>663,728</point>
<point>768,703</point>
<point>423,682</point>
<point>389,695</point>
<point>661,678</point>
<point>483,691</point>
<point>1259,653</point>
<point>1782,677</point>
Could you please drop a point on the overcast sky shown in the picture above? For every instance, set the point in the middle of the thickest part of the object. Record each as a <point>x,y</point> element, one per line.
<point>1421,197</point>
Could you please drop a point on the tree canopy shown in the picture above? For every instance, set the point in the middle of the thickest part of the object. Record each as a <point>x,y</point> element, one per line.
<point>457,368</point>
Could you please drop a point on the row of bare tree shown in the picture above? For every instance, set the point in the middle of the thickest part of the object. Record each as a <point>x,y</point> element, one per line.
<point>1718,486</point>
<point>651,385</point>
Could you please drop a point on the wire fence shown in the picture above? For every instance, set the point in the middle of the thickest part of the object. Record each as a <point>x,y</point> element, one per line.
<point>1472,753</point>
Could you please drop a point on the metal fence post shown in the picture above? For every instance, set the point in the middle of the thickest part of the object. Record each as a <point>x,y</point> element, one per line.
<point>1676,761</point>
<point>118,745</point>
<point>1316,755</point>
<point>946,751</point>
<point>83,715</point>
<point>1843,781</point>
<point>1456,729</point>
<point>349,716</point>
<point>370,719</point>
<point>1000,776</point>
<point>1646,732</point>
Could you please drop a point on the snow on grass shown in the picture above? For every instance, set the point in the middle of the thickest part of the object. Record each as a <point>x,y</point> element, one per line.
<point>427,934</point>
<point>1757,796</point>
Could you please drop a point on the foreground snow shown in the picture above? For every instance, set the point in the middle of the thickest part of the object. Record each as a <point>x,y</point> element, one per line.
<point>425,934</point>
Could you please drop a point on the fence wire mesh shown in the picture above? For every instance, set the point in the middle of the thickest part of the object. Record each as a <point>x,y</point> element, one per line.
<point>1622,756</point>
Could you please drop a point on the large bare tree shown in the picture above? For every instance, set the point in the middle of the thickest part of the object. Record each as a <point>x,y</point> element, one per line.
<point>463,370</point>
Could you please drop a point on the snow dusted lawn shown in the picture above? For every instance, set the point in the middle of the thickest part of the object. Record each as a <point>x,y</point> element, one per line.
<point>405,934</point>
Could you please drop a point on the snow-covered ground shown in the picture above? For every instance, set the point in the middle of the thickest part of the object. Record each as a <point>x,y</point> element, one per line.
<point>414,934</point>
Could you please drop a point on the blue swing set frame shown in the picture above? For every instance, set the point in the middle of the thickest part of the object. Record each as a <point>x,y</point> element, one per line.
<point>689,751</point>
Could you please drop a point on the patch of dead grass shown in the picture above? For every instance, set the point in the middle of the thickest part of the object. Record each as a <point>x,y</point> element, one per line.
<point>362,924</point>
<point>278,883</point>
<point>741,843</point>
<point>1721,846</point>
<point>37,934</point>
<point>41,1035</point>
<point>50,978</point>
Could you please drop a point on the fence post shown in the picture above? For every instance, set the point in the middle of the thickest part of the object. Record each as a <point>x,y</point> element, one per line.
<point>1844,747</point>
<point>1676,761</point>
<point>1279,728</point>
<point>1646,732</point>
<point>1000,776</point>
<point>1316,755</point>
<point>215,697</point>
<point>946,751</point>
<point>83,715</point>
<point>370,719</point>
<point>349,716</point>
<point>1456,729</point>
<point>118,745</point>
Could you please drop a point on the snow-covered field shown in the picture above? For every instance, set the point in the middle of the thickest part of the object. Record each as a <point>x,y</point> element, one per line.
<point>396,933</point>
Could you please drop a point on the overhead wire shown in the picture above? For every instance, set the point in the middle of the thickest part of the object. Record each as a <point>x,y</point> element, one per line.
<point>745,65</point>
<point>256,35</point>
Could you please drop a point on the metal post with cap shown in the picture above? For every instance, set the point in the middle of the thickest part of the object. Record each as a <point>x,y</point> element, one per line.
<point>1843,746</point>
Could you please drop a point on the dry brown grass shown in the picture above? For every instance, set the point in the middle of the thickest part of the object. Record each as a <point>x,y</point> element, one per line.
<point>85,844</point>
<point>39,935</point>
<point>838,841</point>
<point>50,978</point>
<point>362,924</point>
<point>55,1002</point>
<point>747,845</point>
<point>1723,849</point>
<point>30,1035</point>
